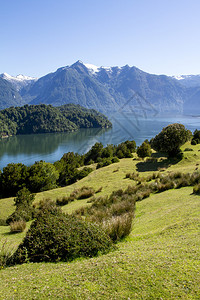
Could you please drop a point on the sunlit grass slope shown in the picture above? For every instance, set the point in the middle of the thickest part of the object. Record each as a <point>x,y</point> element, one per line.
<point>159,260</point>
<point>111,178</point>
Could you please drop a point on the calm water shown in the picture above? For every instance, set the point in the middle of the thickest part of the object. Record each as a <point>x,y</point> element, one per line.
<point>50,147</point>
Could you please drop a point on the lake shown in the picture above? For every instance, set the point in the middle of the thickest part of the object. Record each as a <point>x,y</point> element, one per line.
<point>51,147</point>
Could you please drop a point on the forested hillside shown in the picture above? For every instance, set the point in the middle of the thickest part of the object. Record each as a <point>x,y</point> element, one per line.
<point>46,119</point>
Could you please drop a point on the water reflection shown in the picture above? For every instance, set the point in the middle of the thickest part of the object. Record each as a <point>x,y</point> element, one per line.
<point>50,147</point>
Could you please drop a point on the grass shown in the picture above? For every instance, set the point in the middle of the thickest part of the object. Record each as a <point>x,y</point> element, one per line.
<point>159,260</point>
<point>115,179</point>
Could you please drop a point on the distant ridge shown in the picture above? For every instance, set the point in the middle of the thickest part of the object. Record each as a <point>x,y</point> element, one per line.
<point>106,89</point>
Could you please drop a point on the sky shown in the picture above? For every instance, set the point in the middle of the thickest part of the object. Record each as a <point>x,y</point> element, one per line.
<point>39,36</point>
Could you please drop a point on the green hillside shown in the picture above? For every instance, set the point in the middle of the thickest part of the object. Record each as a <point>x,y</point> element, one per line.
<point>158,260</point>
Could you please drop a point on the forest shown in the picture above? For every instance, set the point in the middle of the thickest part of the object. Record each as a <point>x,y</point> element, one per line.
<point>43,118</point>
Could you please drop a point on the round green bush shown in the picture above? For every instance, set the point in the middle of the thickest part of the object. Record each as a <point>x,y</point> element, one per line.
<point>54,236</point>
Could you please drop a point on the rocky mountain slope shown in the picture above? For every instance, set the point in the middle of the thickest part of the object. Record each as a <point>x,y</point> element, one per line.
<point>105,89</point>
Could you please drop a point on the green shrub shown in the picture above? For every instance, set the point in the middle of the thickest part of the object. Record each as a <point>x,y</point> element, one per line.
<point>193,142</point>
<point>170,139</point>
<point>105,162</point>
<point>144,150</point>
<point>17,226</point>
<point>3,222</point>
<point>24,209</point>
<point>62,201</point>
<point>115,159</point>
<point>83,173</point>
<point>54,236</point>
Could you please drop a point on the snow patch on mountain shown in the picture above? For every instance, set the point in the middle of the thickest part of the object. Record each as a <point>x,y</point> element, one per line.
<point>95,69</point>
<point>19,81</point>
<point>92,68</point>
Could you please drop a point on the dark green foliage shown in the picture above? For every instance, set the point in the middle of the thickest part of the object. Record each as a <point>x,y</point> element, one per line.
<point>105,162</point>
<point>125,149</point>
<point>67,168</point>
<point>83,173</point>
<point>188,149</point>
<point>54,236</point>
<point>194,142</point>
<point>94,153</point>
<point>24,210</point>
<point>109,154</point>
<point>3,222</point>
<point>144,150</point>
<point>196,137</point>
<point>13,178</point>
<point>115,159</point>
<point>170,139</point>
<point>42,176</point>
<point>46,118</point>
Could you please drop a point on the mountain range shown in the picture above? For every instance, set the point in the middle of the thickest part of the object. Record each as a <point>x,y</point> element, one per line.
<point>106,89</point>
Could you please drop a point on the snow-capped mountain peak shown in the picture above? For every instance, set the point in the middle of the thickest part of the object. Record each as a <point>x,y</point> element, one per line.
<point>19,77</point>
<point>95,69</point>
<point>92,68</point>
<point>19,81</point>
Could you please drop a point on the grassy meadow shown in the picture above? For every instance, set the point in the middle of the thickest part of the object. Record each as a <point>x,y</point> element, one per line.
<point>158,260</point>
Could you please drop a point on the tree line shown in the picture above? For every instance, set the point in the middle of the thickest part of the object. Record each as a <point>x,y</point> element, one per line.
<point>71,167</point>
<point>43,176</point>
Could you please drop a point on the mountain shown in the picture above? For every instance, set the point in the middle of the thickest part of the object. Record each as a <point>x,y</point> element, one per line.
<point>9,96</point>
<point>19,81</point>
<point>106,89</point>
<point>109,89</point>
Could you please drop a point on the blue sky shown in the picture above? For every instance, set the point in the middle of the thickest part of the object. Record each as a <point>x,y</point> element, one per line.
<point>39,36</point>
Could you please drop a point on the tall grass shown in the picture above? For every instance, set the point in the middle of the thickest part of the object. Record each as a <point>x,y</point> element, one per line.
<point>6,252</point>
<point>17,226</point>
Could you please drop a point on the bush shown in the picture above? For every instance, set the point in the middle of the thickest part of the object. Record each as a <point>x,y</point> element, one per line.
<point>24,210</point>
<point>82,193</point>
<point>105,162</point>
<point>83,173</point>
<point>3,222</point>
<point>62,201</point>
<point>54,236</point>
<point>115,159</point>
<point>170,139</point>
<point>17,226</point>
<point>193,142</point>
<point>118,227</point>
<point>116,211</point>
<point>144,150</point>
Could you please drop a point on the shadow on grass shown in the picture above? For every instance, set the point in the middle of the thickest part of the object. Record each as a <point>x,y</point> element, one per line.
<point>153,164</point>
